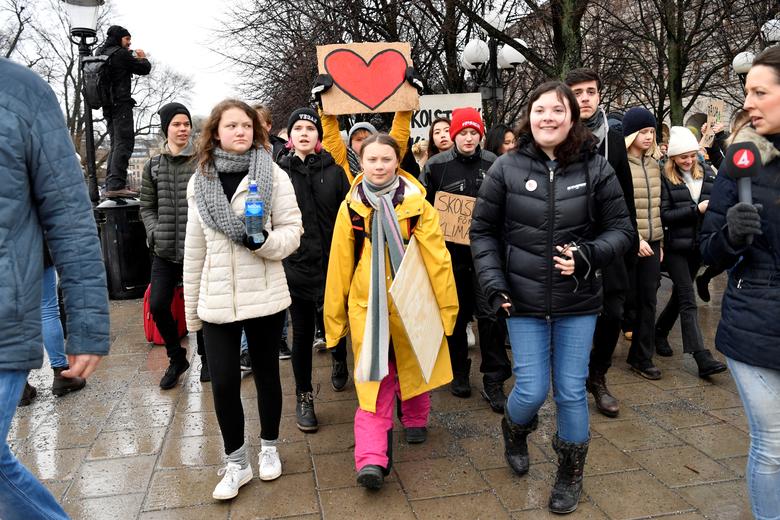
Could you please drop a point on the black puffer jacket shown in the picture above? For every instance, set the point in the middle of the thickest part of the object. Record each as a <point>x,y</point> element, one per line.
<point>164,201</point>
<point>320,187</point>
<point>453,172</point>
<point>525,209</point>
<point>680,214</point>
<point>121,67</point>
<point>749,326</point>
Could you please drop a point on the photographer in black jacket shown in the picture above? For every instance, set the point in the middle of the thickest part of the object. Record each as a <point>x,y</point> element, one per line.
<point>122,64</point>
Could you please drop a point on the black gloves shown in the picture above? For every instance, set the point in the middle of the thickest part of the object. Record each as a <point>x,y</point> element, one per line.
<point>415,80</point>
<point>742,222</point>
<point>322,83</point>
<point>251,245</point>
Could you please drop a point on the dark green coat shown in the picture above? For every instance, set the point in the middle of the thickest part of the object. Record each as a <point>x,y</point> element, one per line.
<point>164,201</point>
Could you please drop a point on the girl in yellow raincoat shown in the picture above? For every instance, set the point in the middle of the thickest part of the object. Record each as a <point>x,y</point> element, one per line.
<point>383,209</point>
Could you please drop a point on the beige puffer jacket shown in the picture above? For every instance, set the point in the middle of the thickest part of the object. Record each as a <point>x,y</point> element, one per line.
<point>646,176</point>
<point>225,282</point>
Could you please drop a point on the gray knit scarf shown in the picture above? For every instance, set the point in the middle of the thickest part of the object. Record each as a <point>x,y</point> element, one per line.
<point>374,352</point>
<point>597,123</point>
<point>214,207</point>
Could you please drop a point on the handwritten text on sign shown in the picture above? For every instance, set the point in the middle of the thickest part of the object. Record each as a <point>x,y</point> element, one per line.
<point>455,216</point>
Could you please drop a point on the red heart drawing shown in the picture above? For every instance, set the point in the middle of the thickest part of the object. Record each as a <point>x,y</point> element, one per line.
<point>372,83</point>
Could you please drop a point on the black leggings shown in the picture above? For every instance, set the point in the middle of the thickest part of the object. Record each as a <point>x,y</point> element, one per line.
<point>304,316</point>
<point>223,348</point>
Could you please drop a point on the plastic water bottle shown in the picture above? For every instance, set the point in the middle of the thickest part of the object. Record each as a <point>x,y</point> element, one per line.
<point>253,214</point>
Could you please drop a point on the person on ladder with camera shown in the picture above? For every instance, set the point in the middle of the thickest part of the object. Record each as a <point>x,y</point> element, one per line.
<point>121,64</point>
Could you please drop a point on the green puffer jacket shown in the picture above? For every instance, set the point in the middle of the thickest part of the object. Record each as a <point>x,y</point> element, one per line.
<point>164,201</point>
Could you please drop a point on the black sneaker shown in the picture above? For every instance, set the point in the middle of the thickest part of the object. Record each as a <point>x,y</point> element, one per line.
<point>493,392</point>
<point>416,435</point>
<point>662,346</point>
<point>205,375</point>
<point>175,369</point>
<point>28,394</point>
<point>305,417</point>
<point>284,350</point>
<point>245,362</point>
<point>339,375</point>
<point>371,476</point>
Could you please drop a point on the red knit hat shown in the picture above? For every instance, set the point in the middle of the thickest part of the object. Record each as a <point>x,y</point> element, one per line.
<point>466,118</point>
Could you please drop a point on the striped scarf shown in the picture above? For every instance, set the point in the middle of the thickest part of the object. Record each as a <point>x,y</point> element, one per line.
<point>372,365</point>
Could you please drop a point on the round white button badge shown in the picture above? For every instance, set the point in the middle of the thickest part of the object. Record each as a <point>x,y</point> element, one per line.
<point>530,185</point>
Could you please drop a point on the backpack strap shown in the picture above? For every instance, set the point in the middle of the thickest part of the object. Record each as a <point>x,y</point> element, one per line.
<point>154,163</point>
<point>359,231</point>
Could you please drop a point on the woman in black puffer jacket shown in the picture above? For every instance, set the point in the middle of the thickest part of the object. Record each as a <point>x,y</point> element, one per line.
<point>547,218</point>
<point>685,194</point>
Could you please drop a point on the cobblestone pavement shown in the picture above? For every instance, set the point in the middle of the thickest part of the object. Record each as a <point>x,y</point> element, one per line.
<point>124,449</point>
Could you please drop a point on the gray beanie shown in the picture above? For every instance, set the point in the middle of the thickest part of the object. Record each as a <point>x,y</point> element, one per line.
<point>360,126</point>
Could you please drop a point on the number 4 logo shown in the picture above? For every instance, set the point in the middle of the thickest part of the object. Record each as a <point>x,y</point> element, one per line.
<point>744,159</point>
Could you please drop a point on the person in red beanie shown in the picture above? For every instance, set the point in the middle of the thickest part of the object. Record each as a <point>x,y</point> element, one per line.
<point>461,170</point>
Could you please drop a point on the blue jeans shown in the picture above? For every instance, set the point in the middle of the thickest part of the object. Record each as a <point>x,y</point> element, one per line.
<point>53,338</point>
<point>22,497</point>
<point>759,389</point>
<point>566,343</point>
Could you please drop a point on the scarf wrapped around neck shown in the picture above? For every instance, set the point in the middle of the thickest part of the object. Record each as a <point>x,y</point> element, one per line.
<point>214,207</point>
<point>372,362</point>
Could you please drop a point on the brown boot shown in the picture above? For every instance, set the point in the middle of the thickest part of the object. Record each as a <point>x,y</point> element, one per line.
<point>605,402</point>
<point>64,385</point>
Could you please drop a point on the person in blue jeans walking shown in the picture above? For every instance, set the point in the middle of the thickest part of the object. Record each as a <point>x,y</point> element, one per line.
<point>548,217</point>
<point>745,238</point>
<point>43,193</point>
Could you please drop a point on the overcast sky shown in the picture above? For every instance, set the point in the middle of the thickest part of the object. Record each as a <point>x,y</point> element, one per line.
<point>176,33</point>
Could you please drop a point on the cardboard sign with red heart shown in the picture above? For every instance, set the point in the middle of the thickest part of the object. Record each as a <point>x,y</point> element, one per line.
<point>367,77</point>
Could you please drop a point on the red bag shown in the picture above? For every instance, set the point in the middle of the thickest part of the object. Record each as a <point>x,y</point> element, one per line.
<point>177,309</point>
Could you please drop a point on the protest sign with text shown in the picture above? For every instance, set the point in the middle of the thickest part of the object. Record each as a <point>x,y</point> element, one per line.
<point>440,105</point>
<point>455,213</point>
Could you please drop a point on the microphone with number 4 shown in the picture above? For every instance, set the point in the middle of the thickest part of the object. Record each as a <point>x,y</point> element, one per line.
<point>744,163</point>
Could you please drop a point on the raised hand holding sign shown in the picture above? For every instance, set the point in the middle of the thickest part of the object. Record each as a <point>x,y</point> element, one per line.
<point>367,77</point>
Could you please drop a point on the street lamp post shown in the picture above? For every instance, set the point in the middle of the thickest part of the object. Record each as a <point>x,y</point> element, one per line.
<point>485,60</point>
<point>741,65</point>
<point>83,15</point>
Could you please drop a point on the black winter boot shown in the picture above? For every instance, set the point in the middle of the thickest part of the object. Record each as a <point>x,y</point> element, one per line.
<point>460,386</point>
<point>516,442</point>
<point>63,385</point>
<point>339,375</point>
<point>568,483</point>
<point>205,375</point>
<point>305,417</point>
<point>707,364</point>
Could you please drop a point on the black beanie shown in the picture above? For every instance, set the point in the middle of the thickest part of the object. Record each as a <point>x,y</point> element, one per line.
<point>115,34</point>
<point>637,118</point>
<point>167,113</point>
<point>305,114</point>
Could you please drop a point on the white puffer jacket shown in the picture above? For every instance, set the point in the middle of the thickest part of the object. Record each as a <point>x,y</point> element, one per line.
<point>225,282</point>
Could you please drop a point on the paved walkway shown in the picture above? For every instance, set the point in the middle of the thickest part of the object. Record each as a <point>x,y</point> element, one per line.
<point>122,448</point>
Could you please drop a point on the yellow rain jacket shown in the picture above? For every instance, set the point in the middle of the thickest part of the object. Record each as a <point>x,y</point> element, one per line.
<point>334,144</point>
<point>347,289</point>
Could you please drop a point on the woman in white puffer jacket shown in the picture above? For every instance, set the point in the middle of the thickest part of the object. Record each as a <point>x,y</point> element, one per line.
<point>232,283</point>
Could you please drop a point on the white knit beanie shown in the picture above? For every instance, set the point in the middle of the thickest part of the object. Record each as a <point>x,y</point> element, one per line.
<point>681,140</point>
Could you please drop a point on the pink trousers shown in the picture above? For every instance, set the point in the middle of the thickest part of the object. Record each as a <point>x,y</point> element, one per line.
<point>372,430</point>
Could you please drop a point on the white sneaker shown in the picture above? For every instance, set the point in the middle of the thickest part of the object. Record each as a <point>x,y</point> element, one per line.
<point>234,478</point>
<point>470,339</point>
<point>270,467</point>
